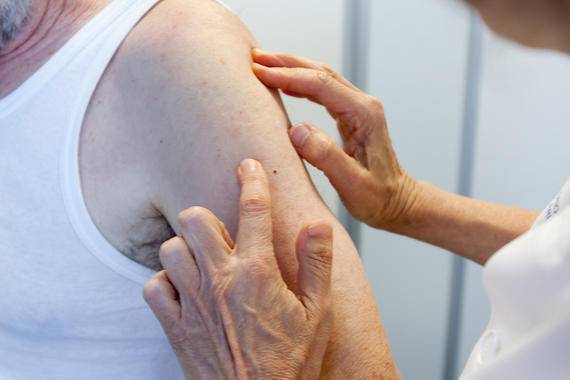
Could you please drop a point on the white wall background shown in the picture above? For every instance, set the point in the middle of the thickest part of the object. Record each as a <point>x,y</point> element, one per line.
<point>417,67</point>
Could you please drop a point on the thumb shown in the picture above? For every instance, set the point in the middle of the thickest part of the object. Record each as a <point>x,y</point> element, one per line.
<point>314,252</point>
<point>325,154</point>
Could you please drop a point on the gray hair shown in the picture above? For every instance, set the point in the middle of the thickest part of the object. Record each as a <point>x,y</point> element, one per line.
<point>13,14</point>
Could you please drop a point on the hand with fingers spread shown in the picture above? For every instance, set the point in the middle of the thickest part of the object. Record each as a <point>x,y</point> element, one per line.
<point>367,175</point>
<point>225,307</point>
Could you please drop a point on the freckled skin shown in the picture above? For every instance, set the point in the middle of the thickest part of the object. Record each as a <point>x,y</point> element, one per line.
<point>169,85</point>
<point>235,116</point>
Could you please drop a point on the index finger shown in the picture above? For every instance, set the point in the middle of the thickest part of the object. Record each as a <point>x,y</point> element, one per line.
<point>271,59</point>
<point>255,228</point>
<point>316,85</point>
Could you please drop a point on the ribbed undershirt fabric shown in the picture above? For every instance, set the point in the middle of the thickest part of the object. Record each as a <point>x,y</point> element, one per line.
<point>71,305</point>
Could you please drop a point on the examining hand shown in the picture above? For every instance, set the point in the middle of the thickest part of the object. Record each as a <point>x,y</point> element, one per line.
<point>225,308</point>
<point>367,175</point>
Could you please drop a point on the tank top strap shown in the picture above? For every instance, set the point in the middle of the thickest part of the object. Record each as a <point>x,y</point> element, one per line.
<point>107,34</point>
<point>107,29</point>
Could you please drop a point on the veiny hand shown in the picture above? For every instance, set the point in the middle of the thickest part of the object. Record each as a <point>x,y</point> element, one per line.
<point>225,308</point>
<point>367,175</point>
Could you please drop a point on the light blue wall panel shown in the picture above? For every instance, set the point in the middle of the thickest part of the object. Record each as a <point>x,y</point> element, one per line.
<point>418,69</point>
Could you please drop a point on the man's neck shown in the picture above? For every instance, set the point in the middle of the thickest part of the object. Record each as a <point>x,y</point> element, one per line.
<point>49,25</point>
<point>25,36</point>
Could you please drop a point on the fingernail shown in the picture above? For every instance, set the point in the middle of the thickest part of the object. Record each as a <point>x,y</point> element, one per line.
<point>299,135</point>
<point>248,166</point>
<point>319,231</point>
<point>256,66</point>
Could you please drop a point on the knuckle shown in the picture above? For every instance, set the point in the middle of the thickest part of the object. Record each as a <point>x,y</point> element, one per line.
<point>323,257</point>
<point>329,70</point>
<point>354,118</point>
<point>171,247</point>
<point>152,291</point>
<point>326,68</point>
<point>374,104</point>
<point>322,254</point>
<point>255,204</point>
<point>324,78</point>
<point>193,216</point>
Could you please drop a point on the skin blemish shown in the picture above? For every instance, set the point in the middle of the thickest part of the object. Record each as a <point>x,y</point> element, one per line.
<point>274,171</point>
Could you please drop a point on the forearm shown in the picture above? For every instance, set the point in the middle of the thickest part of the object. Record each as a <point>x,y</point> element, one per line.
<point>373,185</point>
<point>470,228</point>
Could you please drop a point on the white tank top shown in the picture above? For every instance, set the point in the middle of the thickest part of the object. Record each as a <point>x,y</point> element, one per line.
<point>71,305</point>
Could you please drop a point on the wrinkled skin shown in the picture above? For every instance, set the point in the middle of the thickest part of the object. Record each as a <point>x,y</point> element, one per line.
<point>225,308</point>
<point>366,174</point>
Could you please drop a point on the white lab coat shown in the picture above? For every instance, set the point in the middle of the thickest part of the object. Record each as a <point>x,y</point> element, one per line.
<point>528,284</point>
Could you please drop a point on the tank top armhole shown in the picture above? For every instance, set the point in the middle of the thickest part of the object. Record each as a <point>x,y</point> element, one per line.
<point>70,179</point>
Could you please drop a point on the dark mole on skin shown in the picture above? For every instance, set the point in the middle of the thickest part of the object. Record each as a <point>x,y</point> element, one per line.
<point>275,172</point>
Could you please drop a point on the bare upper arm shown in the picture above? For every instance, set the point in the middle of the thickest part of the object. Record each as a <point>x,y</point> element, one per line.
<point>199,111</point>
<point>205,112</point>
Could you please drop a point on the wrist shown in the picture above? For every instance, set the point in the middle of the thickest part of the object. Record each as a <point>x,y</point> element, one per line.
<point>403,201</point>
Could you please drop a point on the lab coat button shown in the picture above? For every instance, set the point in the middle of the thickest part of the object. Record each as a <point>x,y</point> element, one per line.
<point>489,347</point>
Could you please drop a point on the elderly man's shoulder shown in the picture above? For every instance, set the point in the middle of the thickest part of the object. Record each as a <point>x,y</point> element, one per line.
<point>177,36</point>
<point>184,63</point>
<point>183,52</point>
<point>178,62</point>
